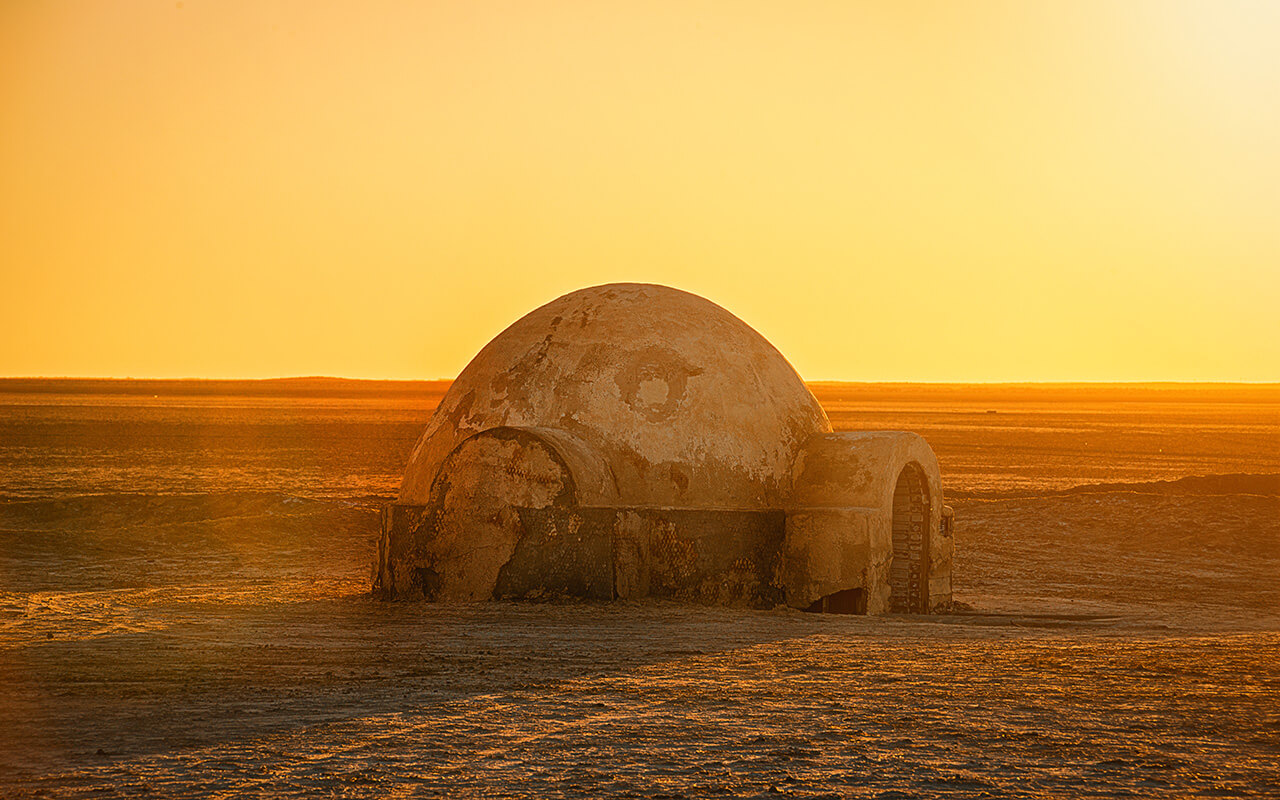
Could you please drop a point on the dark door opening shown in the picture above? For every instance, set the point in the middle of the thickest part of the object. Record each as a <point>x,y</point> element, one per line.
<point>909,569</point>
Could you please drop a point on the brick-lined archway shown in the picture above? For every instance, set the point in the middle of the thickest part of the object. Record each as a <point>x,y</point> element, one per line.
<point>909,570</point>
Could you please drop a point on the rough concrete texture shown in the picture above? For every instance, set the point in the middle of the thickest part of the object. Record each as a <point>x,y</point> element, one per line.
<point>473,516</point>
<point>828,550</point>
<point>841,519</point>
<point>687,404</point>
<point>707,556</point>
<point>630,440</point>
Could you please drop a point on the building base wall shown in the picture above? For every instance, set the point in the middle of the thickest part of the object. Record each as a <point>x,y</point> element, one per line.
<point>747,559</point>
<point>714,557</point>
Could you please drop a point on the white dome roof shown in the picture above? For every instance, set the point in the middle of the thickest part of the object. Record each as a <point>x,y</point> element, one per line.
<point>686,403</point>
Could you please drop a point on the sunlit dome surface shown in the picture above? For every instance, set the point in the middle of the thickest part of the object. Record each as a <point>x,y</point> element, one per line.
<point>689,405</point>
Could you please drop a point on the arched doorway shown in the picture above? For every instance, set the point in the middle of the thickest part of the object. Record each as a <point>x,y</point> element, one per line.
<point>909,568</point>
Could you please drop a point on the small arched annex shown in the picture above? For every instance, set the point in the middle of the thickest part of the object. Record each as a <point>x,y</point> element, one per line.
<point>853,493</point>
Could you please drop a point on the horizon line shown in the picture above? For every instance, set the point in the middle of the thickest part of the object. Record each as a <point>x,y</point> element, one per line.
<point>998,382</point>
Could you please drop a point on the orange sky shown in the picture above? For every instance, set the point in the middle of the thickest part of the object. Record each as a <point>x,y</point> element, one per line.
<point>891,191</point>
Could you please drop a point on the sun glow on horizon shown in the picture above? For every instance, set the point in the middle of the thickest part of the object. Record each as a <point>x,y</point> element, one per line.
<point>887,191</point>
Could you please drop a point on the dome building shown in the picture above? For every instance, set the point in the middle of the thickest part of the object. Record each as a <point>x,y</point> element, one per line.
<point>633,440</point>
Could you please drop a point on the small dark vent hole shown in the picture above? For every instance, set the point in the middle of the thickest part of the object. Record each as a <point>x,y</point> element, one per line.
<point>848,601</point>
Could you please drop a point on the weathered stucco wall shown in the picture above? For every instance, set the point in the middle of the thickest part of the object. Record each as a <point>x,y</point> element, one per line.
<point>829,550</point>
<point>470,526</point>
<point>840,518</point>
<point>727,558</point>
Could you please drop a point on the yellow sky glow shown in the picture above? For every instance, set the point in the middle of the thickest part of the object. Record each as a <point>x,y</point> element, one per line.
<point>938,191</point>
